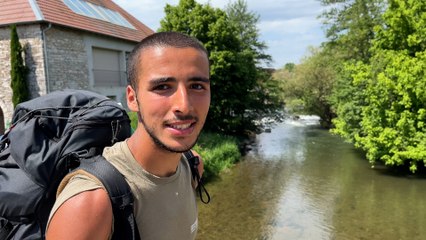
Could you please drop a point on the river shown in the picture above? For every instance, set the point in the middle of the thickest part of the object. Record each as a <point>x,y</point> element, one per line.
<point>301,182</point>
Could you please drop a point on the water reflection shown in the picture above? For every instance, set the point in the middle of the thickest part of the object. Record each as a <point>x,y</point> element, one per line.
<point>300,182</point>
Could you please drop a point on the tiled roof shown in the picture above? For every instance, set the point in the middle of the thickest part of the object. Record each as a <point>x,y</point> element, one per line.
<point>56,12</point>
<point>12,11</point>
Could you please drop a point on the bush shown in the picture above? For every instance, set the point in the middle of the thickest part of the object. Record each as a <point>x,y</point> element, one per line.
<point>219,152</point>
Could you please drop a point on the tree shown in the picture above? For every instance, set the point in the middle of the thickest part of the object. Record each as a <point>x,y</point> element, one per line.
<point>310,82</point>
<point>240,90</point>
<point>350,26</point>
<point>317,76</point>
<point>289,67</point>
<point>18,70</point>
<point>350,31</point>
<point>245,24</point>
<point>394,117</point>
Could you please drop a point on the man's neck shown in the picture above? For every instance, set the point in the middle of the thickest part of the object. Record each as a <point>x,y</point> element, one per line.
<point>152,158</point>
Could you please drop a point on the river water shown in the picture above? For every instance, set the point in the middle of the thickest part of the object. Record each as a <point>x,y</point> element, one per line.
<point>301,182</point>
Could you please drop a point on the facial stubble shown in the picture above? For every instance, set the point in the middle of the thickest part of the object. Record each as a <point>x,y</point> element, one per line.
<point>158,142</point>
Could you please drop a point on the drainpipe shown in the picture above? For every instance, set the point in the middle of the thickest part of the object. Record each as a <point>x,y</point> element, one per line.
<point>46,65</point>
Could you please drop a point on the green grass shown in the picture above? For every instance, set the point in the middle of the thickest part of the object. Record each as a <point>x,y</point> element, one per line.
<point>218,152</point>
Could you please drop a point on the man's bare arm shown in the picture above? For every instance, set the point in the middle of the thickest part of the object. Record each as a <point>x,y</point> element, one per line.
<point>87,215</point>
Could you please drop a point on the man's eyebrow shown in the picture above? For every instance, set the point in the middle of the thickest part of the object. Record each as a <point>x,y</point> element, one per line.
<point>162,80</point>
<point>199,79</point>
<point>159,81</point>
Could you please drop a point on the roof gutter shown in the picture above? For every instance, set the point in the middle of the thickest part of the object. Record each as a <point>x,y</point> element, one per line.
<point>39,16</point>
<point>46,65</point>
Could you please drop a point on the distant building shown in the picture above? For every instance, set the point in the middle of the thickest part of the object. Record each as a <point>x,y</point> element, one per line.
<point>80,44</point>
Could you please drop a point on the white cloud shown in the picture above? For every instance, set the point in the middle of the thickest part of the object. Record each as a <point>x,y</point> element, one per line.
<point>295,25</point>
<point>287,26</point>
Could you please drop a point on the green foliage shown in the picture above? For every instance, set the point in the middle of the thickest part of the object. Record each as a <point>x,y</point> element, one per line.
<point>316,75</point>
<point>404,27</point>
<point>289,67</point>
<point>350,30</point>
<point>245,24</point>
<point>350,26</point>
<point>219,152</point>
<point>381,102</point>
<point>290,90</point>
<point>18,70</point>
<point>394,118</point>
<point>323,81</point>
<point>241,92</point>
<point>310,82</point>
<point>348,99</point>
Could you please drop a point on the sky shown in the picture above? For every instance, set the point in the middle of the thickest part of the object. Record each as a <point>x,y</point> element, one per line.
<point>288,27</point>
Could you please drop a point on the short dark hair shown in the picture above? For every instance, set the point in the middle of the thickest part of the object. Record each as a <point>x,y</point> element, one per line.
<point>161,39</point>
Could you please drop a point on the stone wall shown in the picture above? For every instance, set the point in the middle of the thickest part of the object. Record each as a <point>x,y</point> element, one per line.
<point>32,43</point>
<point>68,65</point>
<point>67,59</point>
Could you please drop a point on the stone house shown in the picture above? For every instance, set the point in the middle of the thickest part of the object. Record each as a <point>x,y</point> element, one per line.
<point>80,44</point>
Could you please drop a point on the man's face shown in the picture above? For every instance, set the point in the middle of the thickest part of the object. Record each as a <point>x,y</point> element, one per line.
<point>173,96</point>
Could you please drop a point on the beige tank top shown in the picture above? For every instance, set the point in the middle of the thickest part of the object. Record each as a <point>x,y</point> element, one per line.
<point>165,207</point>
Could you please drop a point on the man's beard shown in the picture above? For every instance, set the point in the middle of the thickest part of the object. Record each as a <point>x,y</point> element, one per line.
<point>159,143</point>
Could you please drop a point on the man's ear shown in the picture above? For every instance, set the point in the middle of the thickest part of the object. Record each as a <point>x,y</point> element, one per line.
<point>132,101</point>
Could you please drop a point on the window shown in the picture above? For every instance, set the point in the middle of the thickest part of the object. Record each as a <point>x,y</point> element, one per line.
<point>95,11</point>
<point>106,68</point>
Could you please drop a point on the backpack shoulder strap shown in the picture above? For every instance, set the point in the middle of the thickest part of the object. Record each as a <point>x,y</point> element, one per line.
<point>194,161</point>
<point>119,192</point>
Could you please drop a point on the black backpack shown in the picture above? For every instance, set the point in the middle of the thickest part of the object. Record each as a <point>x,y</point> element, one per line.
<point>49,137</point>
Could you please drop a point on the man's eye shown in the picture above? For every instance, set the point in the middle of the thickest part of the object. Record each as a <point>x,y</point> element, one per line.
<point>197,86</point>
<point>161,87</point>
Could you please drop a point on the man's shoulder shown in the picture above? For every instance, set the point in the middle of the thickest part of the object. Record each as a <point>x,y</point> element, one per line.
<point>73,186</point>
<point>91,213</point>
<point>118,150</point>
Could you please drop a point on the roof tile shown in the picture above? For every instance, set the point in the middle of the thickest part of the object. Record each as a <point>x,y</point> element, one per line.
<point>14,11</point>
<point>56,12</point>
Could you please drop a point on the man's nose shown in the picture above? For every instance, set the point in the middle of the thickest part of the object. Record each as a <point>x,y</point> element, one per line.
<point>181,101</point>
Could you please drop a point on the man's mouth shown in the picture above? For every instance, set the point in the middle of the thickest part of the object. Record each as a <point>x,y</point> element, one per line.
<point>181,126</point>
<point>182,123</point>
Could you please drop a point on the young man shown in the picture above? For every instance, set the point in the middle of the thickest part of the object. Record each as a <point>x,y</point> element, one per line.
<point>170,90</point>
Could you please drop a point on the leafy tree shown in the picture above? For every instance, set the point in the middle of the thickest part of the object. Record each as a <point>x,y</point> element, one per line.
<point>18,70</point>
<point>394,117</point>
<point>317,76</point>
<point>310,82</point>
<point>239,95</point>
<point>350,31</point>
<point>348,99</point>
<point>245,25</point>
<point>289,67</point>
<point>265,96</point>
<point>404,28</point>
<point>290,93</point>
<point>350,26</point>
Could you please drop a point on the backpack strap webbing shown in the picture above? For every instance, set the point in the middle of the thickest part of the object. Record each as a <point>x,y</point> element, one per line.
<point>6,229</point>
<point>119,192</point>
<point>194,161</point>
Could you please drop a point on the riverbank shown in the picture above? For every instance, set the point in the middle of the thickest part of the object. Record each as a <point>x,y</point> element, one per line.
<point>301,182</point>
<point>218,151</point>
